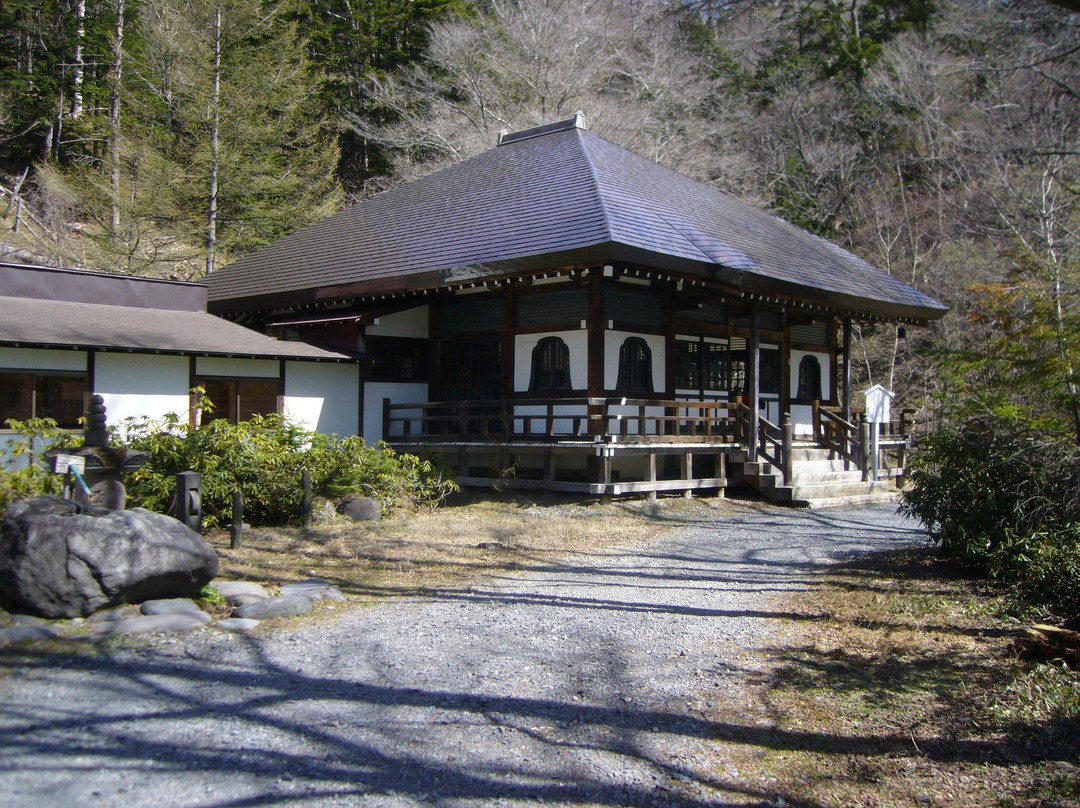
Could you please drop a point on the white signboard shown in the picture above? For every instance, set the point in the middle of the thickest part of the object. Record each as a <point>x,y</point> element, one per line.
<point>878,400</point>
<point>64,462</point>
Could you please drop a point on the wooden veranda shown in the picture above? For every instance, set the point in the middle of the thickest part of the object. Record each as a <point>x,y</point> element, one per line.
<point>614,446</point>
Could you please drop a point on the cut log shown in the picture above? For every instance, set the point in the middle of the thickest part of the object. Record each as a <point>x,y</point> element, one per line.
<point>1051,642</point>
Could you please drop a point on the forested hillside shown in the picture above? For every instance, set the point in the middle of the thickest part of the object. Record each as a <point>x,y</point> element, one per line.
<point>936,139</point>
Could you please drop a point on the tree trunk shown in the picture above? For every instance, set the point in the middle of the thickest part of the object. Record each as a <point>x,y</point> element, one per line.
<point>79,68</point>
<point>215,107</point>
<point>114,121</point>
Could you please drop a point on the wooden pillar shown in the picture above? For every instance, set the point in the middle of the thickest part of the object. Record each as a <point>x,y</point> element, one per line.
<point>845,393</point>
<point>508,329</point>
<point>785,364</point>
<point>753,376</point>
<point>596,338</point>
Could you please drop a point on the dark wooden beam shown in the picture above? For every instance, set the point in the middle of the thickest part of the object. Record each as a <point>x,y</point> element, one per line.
<point>753,379</point>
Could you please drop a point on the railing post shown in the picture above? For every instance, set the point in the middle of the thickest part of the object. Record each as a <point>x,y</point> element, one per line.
<point>815,421</point>
<point>789,453</point>
<point>305,501</point>
<point>386,419</point>
<point>864,448</point>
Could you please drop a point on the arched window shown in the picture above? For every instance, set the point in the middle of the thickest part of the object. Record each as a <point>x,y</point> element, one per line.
<point>809,379</point>
<point>550,366</point>
<point>635,367</point>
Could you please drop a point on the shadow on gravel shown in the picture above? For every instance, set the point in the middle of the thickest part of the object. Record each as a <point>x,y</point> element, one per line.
<point>344,758</point>
<point>355,737</point>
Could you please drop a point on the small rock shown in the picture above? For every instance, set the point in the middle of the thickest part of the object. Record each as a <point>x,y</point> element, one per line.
<point>241,593</point>
<point>238,624</point>
<point>108,615</point>
<point>360,509</point>
<point>170,606</point>
<point>27,620</point>
<point>143,623</point>
<point>287,606</point>
<point>313,590</point>
<point>16,634</point>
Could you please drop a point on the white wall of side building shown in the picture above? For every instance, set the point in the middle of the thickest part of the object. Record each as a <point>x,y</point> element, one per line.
<point>323,396</point>
<point>141,385</point>
<point>247,368</point>
<point>398,393</point>
<point>41,359</point>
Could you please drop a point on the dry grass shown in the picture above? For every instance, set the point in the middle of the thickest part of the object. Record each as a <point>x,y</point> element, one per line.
<point>900,687</point>
<point>473,536</point>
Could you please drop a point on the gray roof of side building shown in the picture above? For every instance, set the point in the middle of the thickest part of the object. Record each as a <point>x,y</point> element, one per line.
<point>555,196</point>
<point>47,307</point>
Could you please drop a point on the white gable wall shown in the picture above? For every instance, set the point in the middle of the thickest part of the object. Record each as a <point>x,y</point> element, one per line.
<point>408,323</point>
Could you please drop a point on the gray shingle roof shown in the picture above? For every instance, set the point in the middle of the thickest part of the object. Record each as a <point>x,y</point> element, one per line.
<point>61,324</point>
<point>560,197</point>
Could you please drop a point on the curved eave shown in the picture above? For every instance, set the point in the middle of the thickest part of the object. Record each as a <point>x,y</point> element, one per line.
<point>741,281</point>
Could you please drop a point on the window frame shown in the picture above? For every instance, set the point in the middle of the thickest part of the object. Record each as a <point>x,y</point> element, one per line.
<point>549,370</point>
<point>35,374</point>
<point>635,367</point>
<point>235,409</point>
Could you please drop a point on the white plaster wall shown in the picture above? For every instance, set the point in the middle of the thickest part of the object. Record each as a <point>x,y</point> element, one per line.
<point>613,341</point>
<point>398,393</point>
<point>41,359</point>
<point>408,323</point>
<point>577,342</point>
<point>137,385</point>
<point>248,368</point>
<point>323,396</point>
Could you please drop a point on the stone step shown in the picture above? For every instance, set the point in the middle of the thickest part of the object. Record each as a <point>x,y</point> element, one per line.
<point>809,478</point>
<point>834,490</point>
<point>876,498</point>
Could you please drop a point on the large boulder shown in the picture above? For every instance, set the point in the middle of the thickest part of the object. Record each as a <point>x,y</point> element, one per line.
<point>59,559</point>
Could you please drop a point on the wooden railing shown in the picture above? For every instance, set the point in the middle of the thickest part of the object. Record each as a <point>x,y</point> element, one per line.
<point>853,441</point>
<point>622,420</point>
<point>588,419</point>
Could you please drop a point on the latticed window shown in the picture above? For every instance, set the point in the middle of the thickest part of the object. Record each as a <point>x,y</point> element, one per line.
<point>239,399</point>
<point>770,371</point>
<point>60,396</point>
<point>550,366</point>
<point>635,367</point>
<point>687,365</point>
<point>809,379</point>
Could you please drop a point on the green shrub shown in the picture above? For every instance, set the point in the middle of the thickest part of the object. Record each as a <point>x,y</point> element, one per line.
<point>997,492</point>
<point>264,459</point>
<point>23,472</point>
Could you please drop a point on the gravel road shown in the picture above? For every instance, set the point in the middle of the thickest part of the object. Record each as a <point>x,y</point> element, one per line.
<point>587,682</point>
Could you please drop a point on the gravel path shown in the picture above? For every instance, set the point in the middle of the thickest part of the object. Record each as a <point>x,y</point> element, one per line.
<point>587,682</point>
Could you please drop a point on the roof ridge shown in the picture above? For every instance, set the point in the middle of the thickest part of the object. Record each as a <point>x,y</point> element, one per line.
<point>596,185</point>
<point>576,122</point>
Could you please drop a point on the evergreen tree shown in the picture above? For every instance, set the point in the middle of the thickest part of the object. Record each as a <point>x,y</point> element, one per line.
<point>353,41</point>
<point>237,114</point>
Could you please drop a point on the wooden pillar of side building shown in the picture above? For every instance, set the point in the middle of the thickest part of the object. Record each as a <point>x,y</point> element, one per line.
<point>753,383</point>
